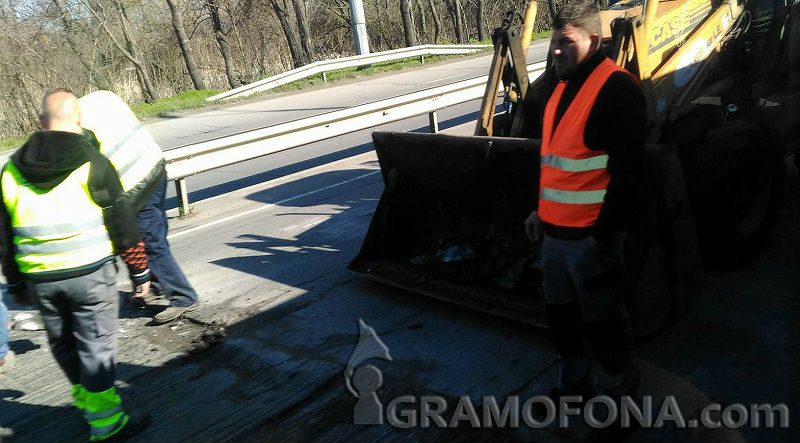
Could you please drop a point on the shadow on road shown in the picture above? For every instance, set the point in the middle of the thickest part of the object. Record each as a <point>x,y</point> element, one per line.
<point>281,171</point>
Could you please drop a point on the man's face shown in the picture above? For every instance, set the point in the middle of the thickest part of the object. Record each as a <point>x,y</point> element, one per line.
<point>570,47</point>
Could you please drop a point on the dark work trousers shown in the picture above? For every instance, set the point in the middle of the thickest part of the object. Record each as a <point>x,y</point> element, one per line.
<point>583,295</point>
<point>80,315</point>
<point>3,329</point>
<point>167,276</point>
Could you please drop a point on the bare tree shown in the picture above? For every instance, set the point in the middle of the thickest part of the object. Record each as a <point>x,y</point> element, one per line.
<point>299,57</point>
<point>551,5</point>
<point>86,44</point>
<point>130,44</point>
<point>302,24</point>
<point>94,75</point>
<point>423,23</point>
<point>183,43</point>
<point>408,22</point>
<point>458,20</point>
<point>222,42</point>
<point>129,50</point>
<point>480,20</point>
<point>437,23</point>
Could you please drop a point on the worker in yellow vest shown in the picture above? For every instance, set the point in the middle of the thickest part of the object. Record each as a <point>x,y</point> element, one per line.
<point>61,227</point>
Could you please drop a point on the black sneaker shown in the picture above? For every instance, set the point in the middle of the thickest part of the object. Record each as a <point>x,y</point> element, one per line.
<point>136,424</point>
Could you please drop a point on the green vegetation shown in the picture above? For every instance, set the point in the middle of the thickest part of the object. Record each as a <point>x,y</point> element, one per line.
<point>11,143</point>
<point>363,71</point>
<point>187,100</point>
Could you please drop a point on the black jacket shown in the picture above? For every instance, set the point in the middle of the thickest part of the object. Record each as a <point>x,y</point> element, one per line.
<point>617,124</point>
<point>139,194</point>
<point>45,160</point>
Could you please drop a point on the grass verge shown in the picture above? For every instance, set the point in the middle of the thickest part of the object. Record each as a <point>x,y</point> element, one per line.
<point>11,143</point>
<point>186,100</point>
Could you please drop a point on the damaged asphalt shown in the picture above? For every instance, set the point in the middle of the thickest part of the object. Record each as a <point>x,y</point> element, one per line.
<point>264,357</point>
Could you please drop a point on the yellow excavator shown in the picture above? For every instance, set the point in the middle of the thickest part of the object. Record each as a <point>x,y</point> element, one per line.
<point>722,84</point>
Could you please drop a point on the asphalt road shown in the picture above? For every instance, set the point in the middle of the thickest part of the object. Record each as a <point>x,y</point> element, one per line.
<point>185,128</point>
<point>268,258</point>
<point>269,262</point>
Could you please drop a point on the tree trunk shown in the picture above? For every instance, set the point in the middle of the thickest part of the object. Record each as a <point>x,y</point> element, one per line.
<point>100,80</point>
<point>222,42</point>
<point>437,24</point>
<point>147,86</point>
<point>480,19</point>
<point>144,77</point>
<point>423,24</point>
<point>408,22</point>
<point>295,49</point>
<point>551,5</point>
<point>458,20</point>
<point>302,24</point>
<point>183,43</point>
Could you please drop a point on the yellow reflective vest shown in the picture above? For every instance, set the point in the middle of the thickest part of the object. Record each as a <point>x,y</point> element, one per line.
<point>123,140</point>
<point>57,230</point>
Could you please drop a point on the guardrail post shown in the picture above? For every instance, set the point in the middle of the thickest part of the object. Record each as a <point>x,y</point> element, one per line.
<point>183,196</point>
<point>422,59</point>
<point>324,77</point>
<point>433,118</point>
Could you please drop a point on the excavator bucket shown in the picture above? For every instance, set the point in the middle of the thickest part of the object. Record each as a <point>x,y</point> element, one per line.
<point>450,222</point>
<point>449,225</point>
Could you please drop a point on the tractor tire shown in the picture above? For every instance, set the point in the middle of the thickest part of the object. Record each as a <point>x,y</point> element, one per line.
<point>735,180</point>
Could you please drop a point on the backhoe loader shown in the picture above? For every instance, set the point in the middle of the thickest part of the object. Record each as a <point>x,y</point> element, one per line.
<point>720,79</point>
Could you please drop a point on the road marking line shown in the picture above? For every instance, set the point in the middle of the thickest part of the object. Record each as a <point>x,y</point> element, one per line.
<point>266,206</point>
<point>441,79</point>
<point>274,182</point>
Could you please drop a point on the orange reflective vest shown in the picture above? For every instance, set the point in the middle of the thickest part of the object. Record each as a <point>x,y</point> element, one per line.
<point>573,178</point>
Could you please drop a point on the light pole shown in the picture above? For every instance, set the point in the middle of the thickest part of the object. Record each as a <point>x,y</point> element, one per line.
<point>359,27</point>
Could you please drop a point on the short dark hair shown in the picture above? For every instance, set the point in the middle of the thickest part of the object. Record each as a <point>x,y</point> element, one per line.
<point>582,14</point>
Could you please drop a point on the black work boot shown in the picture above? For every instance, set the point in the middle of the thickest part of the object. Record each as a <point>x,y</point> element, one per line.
<point>136,424</point>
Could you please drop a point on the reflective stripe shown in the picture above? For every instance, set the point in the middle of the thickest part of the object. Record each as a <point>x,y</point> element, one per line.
<point>35,231</point>
<point>127,167</point>
<point>573,197</point>
<point>576,165</point>
<point>92,416</point>
<point>109,151</point>
<point>103,432</point>
<point>55,231</point>
<point>29,246</point>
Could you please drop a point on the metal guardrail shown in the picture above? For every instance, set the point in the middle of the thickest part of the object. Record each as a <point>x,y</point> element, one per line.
<point>324,66</point>
<point>204,156</point>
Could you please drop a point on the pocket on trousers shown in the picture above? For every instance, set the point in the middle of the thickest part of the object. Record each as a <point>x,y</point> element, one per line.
<point>105,322</point>
<point>110,272</point>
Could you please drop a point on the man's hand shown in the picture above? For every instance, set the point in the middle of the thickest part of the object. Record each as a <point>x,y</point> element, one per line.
<point>143,289</point>
<point>533,226</point>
